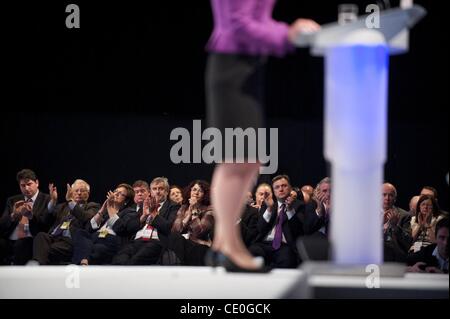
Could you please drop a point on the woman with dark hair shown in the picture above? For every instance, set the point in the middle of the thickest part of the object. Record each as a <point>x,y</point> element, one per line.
<point>424,222</point>
<point>192,229</point>
<point>103,236</point>
<point>244,35</point>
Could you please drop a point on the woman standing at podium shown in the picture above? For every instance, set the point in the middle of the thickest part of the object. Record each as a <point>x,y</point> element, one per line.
<point>244,35</point>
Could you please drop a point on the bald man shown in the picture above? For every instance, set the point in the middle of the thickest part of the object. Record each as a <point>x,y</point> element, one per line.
<point>308,189</point>
<point>413,205</point>
<point>396,226</point>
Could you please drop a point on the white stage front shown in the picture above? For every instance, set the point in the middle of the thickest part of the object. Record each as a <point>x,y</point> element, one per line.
<point>131,282</point>
<point>154,282</point>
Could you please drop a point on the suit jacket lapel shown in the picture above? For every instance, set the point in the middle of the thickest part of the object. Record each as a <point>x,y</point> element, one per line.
<point>164,208</point>
<point>37,205</point>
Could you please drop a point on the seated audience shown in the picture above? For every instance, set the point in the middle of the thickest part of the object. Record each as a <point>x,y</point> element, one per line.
<point>279,226</point>
<point>432,258</point>
<point>176,194</point>
<point>431,191</point>
<point>103,235</point>
<point>424,222</point>
<point>22,219</point>
<point>248,223</point>
<point>262,191</point>
<point>318,210</point>
<point>396,226</point>
<point>56,246</point>
<point>151,227</point>
<point>192,229</point>
<point>413,204</point>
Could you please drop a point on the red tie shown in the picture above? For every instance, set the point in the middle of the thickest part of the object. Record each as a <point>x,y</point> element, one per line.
<point>150,219</point>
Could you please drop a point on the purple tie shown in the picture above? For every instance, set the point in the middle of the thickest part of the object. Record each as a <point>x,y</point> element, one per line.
<point>276,243</point>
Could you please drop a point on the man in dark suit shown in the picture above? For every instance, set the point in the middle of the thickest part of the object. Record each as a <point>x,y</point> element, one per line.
<point>100,241</point>
<point>396,226</point>
<point>279,226</point>
<point>315,245</point>
<point>318,210</point>
<point>22,219</point>
<point>248,223</point>
<point>56,247</point>
<point>152,225</point>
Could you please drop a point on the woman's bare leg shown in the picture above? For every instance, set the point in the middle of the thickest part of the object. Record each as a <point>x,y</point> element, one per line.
<point>230,183</point>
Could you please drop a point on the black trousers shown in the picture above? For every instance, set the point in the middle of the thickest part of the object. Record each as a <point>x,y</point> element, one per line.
<point>284,257</point>
<point>98,251</point>
<point>190,253</point>
<point>393,253</point>
<point>16,252</point>
<point>52,250</point>
<point>139,252</point>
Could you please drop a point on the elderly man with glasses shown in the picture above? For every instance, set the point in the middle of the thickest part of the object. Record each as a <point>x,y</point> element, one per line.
<point>55,247</point>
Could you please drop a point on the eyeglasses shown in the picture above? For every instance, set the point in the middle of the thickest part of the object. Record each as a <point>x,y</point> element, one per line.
<point>116,192</point>
<point>80,190</point>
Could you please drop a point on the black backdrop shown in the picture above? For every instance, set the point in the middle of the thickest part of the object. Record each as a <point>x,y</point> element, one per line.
<point>88,101</point>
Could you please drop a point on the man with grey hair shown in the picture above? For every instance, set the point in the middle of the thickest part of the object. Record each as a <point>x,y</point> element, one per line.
<point>396,226</point>
<point>56,247</point>
<point>151,227</point>
<point>318,210</point>
<point>391,213</point>
<point>322,192</point>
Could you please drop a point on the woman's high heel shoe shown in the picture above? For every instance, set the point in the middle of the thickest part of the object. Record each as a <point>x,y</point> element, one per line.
<point>215,258</point>
<point>230,266</point>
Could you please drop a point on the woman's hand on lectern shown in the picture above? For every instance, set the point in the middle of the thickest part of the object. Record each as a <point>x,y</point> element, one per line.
<point>302,26</point>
